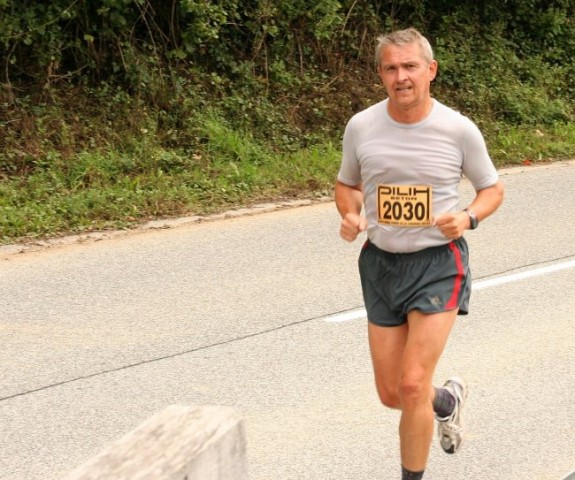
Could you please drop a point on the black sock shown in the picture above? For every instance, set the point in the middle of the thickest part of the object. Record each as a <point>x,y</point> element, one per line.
<point>444,403</point>
<point>407,475</point>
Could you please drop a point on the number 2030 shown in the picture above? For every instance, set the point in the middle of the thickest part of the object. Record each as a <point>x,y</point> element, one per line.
<point>406,211</point>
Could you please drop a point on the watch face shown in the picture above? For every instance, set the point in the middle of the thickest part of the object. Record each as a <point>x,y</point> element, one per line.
<point>473,222</point>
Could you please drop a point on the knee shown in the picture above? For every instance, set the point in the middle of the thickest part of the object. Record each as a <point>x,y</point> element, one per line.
<point>389,397</point>
<point>413,392</point>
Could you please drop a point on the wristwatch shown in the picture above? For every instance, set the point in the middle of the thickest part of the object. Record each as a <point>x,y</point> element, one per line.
<point>473,221</point>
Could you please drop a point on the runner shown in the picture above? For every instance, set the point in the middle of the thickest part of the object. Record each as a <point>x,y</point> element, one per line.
<point>402,162</point>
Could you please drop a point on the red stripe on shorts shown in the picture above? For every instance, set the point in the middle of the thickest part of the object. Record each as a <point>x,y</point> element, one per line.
<point>452,303</point>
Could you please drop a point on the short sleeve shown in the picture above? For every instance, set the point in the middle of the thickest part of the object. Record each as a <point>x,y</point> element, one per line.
<point>349,172</point>
<point>477,164</point>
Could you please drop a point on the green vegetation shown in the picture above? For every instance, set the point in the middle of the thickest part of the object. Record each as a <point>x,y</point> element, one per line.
<point>113,112</point>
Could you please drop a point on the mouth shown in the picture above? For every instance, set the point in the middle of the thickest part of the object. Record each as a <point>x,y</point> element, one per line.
<point>403,89</point>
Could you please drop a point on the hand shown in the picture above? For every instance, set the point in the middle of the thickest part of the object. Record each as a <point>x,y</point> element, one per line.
<point>351,225</point>
<point>452,225</point>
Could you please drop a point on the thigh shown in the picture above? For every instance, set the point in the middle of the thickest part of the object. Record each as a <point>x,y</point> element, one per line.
<point>426,340</point>
<point>386,345</point>
<point>408,353</point>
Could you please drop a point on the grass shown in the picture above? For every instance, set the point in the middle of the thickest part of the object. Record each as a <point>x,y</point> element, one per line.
<point>512,145</point>
<point>120,188</point>
<point>114,190</point>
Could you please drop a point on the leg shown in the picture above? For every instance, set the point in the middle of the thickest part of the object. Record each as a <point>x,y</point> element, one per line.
<point>426,340</point>
<point>386,345</point>
<point>404,359</point>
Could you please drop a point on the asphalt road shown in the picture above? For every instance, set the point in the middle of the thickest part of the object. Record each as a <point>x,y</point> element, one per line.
<point>98,336</point>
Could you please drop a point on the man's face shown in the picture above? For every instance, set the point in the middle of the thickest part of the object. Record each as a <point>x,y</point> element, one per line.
<point>406,76</point>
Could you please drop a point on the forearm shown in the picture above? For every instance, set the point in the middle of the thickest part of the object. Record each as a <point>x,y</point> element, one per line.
<point>348,199</point>
<point>487,201</point>
<point>349,202</point>
<point>453,225</point>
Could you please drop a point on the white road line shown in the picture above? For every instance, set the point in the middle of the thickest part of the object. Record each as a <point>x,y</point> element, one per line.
<point>522,275</point>
<point>346,316</point>
<point>479,285</point>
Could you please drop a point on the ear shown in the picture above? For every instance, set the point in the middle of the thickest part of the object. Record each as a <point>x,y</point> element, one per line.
<point>433,69</point>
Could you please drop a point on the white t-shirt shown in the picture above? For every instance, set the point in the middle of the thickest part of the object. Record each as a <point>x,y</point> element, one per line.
<point>377,150</point>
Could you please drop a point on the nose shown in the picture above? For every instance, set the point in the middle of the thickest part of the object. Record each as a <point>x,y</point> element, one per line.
<point>402,74</point>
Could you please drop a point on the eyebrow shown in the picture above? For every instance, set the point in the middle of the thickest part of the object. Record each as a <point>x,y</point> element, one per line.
<point>403,64</point>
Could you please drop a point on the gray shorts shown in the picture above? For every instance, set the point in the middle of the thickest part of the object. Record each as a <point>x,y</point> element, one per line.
<point>432,280</point>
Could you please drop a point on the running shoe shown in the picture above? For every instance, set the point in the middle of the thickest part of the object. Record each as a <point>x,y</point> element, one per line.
<point>450,429</point>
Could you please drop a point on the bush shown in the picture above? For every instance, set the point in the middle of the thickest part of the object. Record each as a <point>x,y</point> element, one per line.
<point>114,111</point>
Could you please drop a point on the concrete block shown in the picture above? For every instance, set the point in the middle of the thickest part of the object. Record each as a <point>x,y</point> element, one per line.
<point>177,443</point>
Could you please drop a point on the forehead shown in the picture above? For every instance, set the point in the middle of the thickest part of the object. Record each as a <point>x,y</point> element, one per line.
<point>409,52</point>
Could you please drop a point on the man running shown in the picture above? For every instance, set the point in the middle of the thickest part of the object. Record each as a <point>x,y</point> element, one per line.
<point>402,161</point>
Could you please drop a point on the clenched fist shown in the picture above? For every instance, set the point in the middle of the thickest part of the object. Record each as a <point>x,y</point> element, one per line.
<point>351,226</point>
<point>452,225</point>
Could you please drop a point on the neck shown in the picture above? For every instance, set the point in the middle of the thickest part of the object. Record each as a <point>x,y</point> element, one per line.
<point>410,114</point>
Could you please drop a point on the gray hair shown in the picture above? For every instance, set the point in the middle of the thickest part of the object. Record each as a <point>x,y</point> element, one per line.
<point>403,37</point>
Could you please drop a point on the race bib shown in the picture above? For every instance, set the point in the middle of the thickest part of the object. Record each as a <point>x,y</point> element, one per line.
<point>404,205</point>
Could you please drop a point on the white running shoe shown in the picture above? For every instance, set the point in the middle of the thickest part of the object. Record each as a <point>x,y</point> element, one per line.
<point>450,429</point>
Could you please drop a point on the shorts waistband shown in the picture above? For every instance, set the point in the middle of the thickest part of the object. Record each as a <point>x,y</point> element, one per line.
<point>409,256</point>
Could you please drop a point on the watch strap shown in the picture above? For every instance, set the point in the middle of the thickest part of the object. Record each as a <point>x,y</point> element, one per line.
<point>473,220</point>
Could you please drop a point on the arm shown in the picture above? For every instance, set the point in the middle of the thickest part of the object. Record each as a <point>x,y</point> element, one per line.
<point>349,201</point>
<point>486,201</point>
